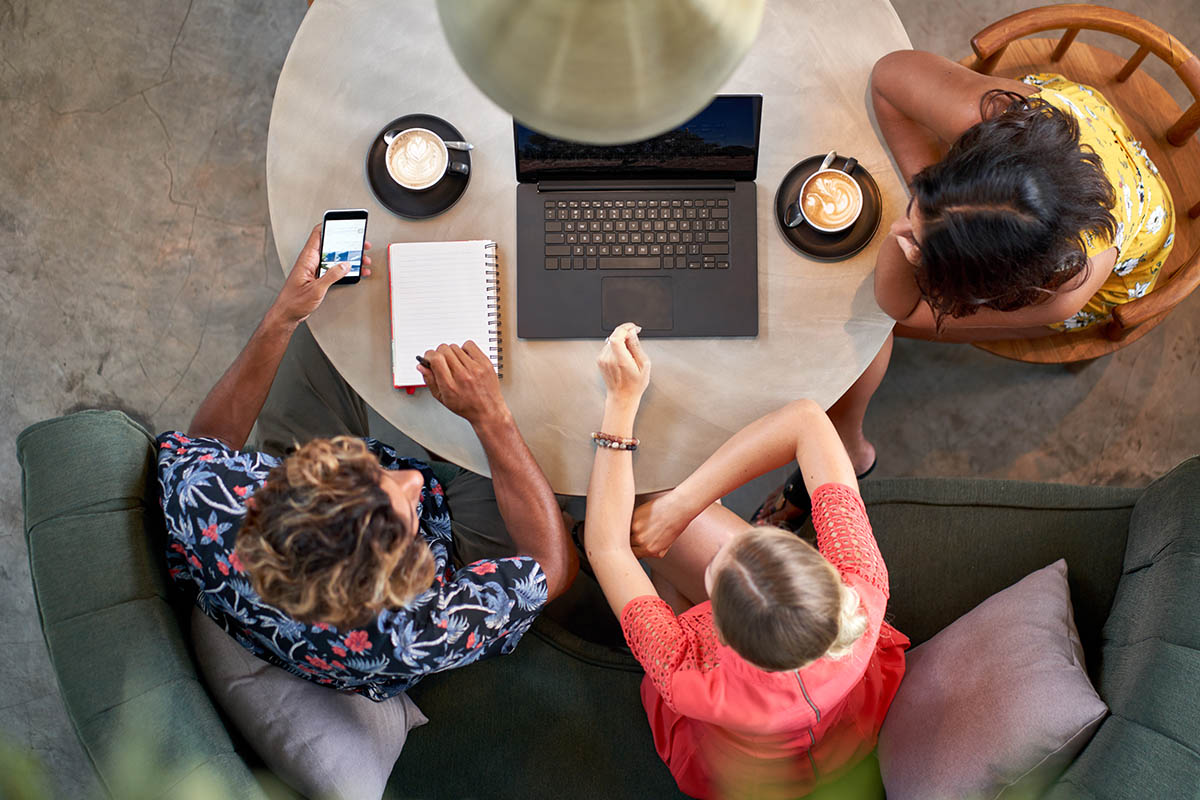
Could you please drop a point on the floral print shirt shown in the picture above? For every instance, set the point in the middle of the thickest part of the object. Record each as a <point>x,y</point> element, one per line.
<point>466,615</point>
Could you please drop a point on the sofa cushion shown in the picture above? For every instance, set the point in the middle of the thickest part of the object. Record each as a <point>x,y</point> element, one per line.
<point>62,473</point>
<point>108,566</point>
<point>1150,659</point>
<point>950,543</point>
<point>999,702</point>
<point>555,718</point>
<point>323,743</point>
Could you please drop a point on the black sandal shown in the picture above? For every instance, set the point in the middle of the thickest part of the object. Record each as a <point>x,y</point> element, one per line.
<point>793,491</point>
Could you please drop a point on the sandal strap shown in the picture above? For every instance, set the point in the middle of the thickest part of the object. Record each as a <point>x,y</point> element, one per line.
<point>795,492</point>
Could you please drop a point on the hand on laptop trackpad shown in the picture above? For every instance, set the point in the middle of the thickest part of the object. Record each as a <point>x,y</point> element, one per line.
<point>647,301</point>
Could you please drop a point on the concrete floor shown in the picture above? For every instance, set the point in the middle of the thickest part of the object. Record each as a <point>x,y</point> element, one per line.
<point>138,258</point>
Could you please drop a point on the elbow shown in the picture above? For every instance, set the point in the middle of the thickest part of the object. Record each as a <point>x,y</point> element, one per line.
<point>1060,308</point>
<point>561,574</point>
<point>805,413</point>
<point>894,310</point>
<point>890,297</point>
<point>888,65</point>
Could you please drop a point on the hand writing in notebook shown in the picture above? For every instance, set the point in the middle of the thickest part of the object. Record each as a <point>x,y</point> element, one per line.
<point>464,380</point>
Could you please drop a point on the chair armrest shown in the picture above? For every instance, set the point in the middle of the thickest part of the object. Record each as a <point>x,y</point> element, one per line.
<point>1164,297</point>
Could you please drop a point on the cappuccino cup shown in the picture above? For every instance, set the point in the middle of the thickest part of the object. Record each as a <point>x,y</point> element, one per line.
<point>831,200</point>
<point>417,158</point>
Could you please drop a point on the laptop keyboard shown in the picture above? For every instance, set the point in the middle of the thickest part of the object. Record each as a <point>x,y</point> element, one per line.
<point>655,233</point>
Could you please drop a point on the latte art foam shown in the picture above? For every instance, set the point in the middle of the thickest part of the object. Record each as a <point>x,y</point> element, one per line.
<point>831,200</point>
<point>417,158</point>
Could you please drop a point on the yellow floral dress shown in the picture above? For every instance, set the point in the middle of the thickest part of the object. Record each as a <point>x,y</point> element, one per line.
<point>1144,213</point>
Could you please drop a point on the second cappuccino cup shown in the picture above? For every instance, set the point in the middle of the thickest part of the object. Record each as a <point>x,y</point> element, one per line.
<point>418,159</point>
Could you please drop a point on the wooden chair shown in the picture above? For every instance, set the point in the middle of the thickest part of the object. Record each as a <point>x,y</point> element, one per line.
<point>1152,116</point>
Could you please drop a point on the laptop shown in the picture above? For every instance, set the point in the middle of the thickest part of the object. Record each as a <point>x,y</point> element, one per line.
<point>662,232</point>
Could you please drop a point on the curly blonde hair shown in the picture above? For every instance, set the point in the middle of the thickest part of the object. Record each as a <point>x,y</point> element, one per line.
<point>323,543</point>
<point>781,605</point>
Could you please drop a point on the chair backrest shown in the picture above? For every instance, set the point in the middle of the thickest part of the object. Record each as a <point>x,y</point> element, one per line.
<point>989,45</point>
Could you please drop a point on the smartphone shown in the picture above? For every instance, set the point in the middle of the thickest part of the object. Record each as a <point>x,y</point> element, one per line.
<point>343,234</point>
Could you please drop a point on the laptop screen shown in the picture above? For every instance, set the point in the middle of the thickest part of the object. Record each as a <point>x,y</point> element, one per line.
<point>719,142</point>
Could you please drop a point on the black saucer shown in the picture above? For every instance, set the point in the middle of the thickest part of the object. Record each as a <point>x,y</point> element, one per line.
<point>828,246</point>
<point>405,202</point>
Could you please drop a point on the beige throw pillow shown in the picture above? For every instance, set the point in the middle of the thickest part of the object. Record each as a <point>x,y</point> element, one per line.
<point>997,704</point>
<point>322,742</point>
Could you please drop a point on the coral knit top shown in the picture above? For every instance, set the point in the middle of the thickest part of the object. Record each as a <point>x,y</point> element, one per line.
<point>727,728</point>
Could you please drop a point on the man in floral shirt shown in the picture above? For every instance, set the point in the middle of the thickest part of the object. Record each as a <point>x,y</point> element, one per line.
<point>337,559</point>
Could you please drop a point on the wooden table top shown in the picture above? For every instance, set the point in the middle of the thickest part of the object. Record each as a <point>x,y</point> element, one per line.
<point>356,65</point>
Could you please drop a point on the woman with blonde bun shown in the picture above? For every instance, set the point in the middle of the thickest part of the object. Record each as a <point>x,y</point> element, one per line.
<point>769,667</point>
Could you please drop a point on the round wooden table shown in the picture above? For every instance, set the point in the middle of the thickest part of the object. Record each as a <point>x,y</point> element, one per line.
<point>356,65</point>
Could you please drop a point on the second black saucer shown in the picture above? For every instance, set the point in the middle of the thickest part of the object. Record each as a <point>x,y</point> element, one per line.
<point>405,202</point>
<point>828,246</point>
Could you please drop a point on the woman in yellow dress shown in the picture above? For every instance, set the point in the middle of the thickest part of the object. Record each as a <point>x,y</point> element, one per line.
<point>1144,213</point>
<point>1033,210</point>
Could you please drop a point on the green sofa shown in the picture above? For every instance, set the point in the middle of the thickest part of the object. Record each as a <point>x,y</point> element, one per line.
<point>561,716</point>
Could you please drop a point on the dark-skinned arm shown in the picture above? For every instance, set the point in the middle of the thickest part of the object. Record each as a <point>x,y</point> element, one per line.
<point>924,102</point>
<point>233,404</point>
<point>464,381</point>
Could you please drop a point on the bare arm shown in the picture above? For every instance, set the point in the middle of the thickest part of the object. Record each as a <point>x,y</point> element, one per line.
<point>924,102</point>
<point>799,430</point>
<point>1055,309</point>
<point>610,490</point>
<point>463,380</point>
<point>896,288</point>
<point>232,405</point>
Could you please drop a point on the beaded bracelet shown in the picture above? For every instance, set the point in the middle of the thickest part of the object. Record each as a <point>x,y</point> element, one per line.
<point>614,442</point>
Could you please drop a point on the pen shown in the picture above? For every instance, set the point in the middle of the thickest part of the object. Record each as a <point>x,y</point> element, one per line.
<point>424,362</point>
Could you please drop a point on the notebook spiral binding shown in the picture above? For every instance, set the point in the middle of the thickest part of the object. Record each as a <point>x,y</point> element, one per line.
<point>495,350</point>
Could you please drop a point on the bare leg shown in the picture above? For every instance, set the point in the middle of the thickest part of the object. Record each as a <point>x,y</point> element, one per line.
<point>684,564</point>
<point>848,412</point>
<point>668,592</point>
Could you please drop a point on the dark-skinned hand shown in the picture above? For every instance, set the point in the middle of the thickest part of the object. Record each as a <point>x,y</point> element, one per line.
<point>464,381</point>
<point>303,291</point>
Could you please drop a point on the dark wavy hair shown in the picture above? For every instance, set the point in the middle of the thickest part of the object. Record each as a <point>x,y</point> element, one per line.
<point>1005,211</point>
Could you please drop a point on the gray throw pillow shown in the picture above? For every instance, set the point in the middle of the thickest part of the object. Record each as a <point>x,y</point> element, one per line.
<point>322,742</point>
<point>997,704</point>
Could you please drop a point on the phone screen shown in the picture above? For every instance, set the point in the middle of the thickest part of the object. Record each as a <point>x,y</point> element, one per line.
<point>342,241</point>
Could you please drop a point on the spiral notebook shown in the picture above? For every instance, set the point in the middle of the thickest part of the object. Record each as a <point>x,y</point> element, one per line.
<point>441,292</point>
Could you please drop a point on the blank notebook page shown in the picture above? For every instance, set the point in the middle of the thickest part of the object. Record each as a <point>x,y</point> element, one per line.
<point>442,293</point>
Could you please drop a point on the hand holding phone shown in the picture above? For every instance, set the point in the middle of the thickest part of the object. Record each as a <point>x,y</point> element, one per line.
<point>343,234</point>
<point>305,286</point>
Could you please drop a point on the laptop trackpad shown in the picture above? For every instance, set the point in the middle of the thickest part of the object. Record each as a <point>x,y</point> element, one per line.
<point>647,301</point>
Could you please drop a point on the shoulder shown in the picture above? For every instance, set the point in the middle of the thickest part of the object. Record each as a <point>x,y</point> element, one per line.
<point>831,498</point>
<point>192,469</point>
<point>175,448</point>
<point>1077,291</point>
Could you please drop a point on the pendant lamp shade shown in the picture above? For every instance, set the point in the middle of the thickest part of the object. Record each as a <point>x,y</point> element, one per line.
<point>600,71</point>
